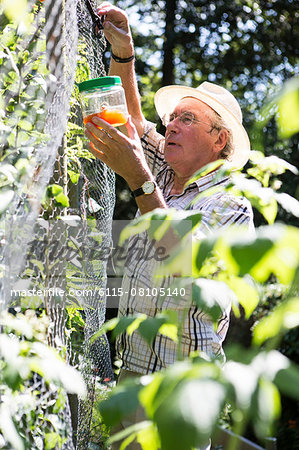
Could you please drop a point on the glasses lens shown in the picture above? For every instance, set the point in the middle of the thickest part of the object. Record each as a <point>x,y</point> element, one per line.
<point>187,118</point>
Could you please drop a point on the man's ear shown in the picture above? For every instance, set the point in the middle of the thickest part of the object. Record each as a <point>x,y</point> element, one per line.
<point>221,140</point>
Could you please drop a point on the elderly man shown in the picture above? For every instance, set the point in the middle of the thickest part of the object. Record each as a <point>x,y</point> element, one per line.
<point>203,124</point>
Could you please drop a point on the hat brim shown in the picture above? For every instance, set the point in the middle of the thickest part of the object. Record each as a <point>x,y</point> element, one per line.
<point>168,97</point>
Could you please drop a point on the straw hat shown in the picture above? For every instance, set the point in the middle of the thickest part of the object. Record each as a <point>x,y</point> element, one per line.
<point>222,101</point>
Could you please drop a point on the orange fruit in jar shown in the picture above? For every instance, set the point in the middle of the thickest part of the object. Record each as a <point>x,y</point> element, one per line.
<point>113,116</point>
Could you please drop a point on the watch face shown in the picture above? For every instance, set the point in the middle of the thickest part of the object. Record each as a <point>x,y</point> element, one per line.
<point>148,187</point>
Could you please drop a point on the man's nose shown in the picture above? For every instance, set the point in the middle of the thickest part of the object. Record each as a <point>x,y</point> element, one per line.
<point>172,127</point>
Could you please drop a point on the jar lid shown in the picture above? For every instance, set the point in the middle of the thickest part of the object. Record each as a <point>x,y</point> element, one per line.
<point>106,82</point>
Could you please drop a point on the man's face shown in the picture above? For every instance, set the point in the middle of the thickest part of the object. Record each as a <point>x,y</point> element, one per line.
<point>190,147</point>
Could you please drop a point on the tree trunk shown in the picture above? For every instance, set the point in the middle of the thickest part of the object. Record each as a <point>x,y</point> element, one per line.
<point>169,43</point>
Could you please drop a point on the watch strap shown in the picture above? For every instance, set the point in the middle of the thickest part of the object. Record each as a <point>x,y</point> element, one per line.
<point>142,191</point>
<point>137,192</point>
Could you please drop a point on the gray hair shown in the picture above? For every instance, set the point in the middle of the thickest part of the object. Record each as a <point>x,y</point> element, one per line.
<point>219,124</point>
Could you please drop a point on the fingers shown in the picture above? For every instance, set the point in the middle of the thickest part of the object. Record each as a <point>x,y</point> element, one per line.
<point>116,26</point>
<point>96,136</point>
<point>112,11</point>
<point>102,131</point>
<point>103,126</point>
<point>102,9</point>
<point>131,129</point>
<point>97,153</point>
<point>117,33</point>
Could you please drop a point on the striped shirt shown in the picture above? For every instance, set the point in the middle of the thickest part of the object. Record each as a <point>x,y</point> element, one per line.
<point>218,210</point>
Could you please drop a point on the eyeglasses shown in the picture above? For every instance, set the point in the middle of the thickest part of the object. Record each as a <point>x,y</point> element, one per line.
<point>187,119</point>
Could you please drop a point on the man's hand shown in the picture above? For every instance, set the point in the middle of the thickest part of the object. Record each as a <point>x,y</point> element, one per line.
<point>116,29</point>
<point>123,154</point>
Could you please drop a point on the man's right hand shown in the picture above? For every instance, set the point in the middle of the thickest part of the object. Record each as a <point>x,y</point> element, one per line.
<point>117,29</point>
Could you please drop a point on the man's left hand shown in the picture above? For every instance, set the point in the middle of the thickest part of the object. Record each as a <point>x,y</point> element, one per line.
<point>123,154</point>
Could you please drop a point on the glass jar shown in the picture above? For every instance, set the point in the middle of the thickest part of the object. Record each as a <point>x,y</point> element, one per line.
<point>104,97</point>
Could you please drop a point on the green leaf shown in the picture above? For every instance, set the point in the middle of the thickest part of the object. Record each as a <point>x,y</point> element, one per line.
<point>287,380</point>
<point>62,199</point>
<point>128,324</point>
<point>285,105</point>
<point>25,125</point>
<point>9,172</point>
<point>183,419</point>
<point>130,433</point>
<point>120,325</point>
<point>224,171</point>
<point>260,197</point>
<point>268,363</point>
<point>282,259</point>
<point>274,250</point>
<point>179,261</point>
<point>268,407</point>
<point>107,326</point>
<point>284,317</point>
<point>185,222</point>
<point>141,224</point>
<point>51,440</point>
<point>169,330</point>
<point>223,249</point>
<point>19,325</point>
<point>212,297</point>
<point>9,430</point>
<point>55,191</point>
<point>288,202</point>
<point>122,402</point>
<point>162,384</point>
<point>158,222</point>
<point>269,211</point>
<point>12,377</point>
<point>201,251</point>
<point>39,265</point>
<point>128,441</point>
<point>272,164</point>
<point>246,293</point>
<point>50,365</point>
<point>149,328</point>
<point>148,438</point>
<point>6,197</point>
<point>148,394</point>
<point>74,176</point>
<point>288,108</point>
<point>235,373</point>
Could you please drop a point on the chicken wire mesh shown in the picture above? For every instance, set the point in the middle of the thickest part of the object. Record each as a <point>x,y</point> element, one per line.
<point>48,240</point>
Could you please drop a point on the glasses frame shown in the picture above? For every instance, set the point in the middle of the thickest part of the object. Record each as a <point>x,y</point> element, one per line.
<point>167,118</point>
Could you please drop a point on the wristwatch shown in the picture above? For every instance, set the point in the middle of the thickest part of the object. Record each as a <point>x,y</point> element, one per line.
<point>147,188</point>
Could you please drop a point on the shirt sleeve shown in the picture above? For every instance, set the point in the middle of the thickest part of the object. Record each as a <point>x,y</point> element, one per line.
<point>153,146</point>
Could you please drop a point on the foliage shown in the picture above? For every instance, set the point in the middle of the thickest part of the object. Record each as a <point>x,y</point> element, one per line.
<point>286,107</point>
<point>23,84</point>
<point>75,150</point>
<point>267,372</point>
<point>226,266</point>
<point>29,368</point>
<point>205,38</point>
<point>177,399</point>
